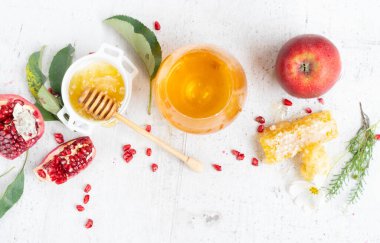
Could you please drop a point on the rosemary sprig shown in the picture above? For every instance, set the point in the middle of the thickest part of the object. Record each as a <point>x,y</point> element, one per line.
<point>361,148</point>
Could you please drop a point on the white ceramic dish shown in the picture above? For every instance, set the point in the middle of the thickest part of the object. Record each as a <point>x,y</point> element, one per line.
<point>106,53</point>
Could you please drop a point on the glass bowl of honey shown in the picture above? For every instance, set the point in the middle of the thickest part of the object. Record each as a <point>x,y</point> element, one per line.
<point>107,70</point>
<point>200,89</point>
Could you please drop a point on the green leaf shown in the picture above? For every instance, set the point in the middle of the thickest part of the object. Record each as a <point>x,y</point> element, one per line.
<point>45,114</point>
<point>58,67</point>
<point>13,192</point>
<point>143,41</point>
<point>34,75</point>
<point>141,38</point>
<point>48,101</point>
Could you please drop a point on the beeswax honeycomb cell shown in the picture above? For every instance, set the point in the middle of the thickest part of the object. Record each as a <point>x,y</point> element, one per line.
<point>285,139</point>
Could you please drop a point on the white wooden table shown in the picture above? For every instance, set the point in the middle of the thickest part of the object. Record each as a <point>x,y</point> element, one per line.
<point>242,203</point>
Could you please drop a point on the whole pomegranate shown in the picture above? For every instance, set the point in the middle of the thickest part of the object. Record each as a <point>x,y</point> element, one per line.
<point>21,125</point>
<point>66,160</point>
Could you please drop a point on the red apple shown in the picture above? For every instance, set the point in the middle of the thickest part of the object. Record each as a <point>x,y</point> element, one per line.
<point>308,66</point>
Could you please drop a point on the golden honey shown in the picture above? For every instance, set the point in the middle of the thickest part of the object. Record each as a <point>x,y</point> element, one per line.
<point>102,75</point>
<point>200,89</point>
<point>199,85</point>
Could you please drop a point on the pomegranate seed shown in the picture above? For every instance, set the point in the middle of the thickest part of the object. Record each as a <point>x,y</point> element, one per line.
<point>321,100</point>
<point>287,102</point>
<point>240,157</point>
<point>128,159</point>
<point>235,152</point>
<point>80,208</point>
<point>41,173</point>
<point>89,223</point>
<point>377,136</point>
<point>51,91</point>
<point>217,167</point>
<point>86,199</point>
<point>157,25</point>
<point>126,147</point>
<point>87,188</point>
<point>154,167</point>
<point>255,162</point>
<point>148,128</point>
<point>260,128</point>
<point>308,110</point>
<point>59,138</point>
<point>260,119</point>
<point>132,151</point>
<point>148,151</point>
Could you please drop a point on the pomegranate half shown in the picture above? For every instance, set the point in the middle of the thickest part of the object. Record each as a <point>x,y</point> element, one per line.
<point>66,160</point>
<point>21,125</point>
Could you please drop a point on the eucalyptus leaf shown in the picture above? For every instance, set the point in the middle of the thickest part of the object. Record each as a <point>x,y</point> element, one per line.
<point>48,101</point>
<point>58,67</point>
<point>13,192</point>
<point>34,75</point>
<point>143,41</point>
<point>45,114</point>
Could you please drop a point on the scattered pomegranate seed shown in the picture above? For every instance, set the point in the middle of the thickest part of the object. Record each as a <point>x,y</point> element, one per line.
<point>80,208</point>
<point>255,162</point>
<point>86,199</point>
<point>377,136</point>
<point>260,128</point>
<point>148,152</point>
<point>308,110</point>
<point>240,157</point>
<point>217,167</point>
<point>128,158</point>
<point>87,188</point>
<point>321,100</point>
<point>59,138</point>
<point>287,102</point>
<point>157,25</point>
<point>128,152</point>
<point>89,223</point>
<point>148,128</point>
<point>154,167</point>
<point>260,119</point>
<point>235,152</point>
<point>126,147</point>
<point>132,151</point>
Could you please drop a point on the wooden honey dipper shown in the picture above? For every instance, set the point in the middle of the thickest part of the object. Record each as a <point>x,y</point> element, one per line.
<point>101,107</point>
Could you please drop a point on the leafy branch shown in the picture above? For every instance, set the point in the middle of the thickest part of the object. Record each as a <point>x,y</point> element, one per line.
<point>361,149</point>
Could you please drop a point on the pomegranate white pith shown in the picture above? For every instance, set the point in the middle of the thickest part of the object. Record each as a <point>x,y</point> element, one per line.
<point>66,160</point>
<point>20,129</point>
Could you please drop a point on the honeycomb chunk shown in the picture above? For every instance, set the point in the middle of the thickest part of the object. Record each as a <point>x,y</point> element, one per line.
<point>315,161</point>
<point>285,139</point>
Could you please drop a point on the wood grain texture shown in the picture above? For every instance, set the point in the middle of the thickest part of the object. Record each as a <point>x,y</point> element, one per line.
<point>242,203</point>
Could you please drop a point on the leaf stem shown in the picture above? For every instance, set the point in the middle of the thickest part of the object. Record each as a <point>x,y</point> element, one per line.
<point>6,172</point>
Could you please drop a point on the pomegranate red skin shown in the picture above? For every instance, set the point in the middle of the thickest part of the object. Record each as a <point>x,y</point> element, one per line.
<point>308,66</point>
<point>40,124</point>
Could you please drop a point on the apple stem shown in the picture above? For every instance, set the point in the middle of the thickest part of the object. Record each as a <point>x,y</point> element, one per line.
<point>305,68</point>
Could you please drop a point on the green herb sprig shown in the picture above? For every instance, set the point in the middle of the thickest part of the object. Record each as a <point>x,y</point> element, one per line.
<point>361,149</point>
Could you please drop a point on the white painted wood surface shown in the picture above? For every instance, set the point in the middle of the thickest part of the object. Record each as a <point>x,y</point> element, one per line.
<point>242,203</point>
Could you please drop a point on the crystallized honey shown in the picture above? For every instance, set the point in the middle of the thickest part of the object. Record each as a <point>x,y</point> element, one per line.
<point>199,84</point>
<point>101,75</point>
